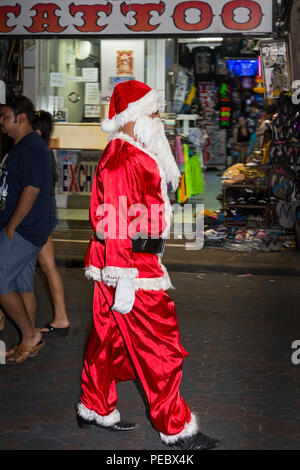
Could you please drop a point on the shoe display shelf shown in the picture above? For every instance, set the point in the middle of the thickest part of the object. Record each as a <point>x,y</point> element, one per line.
<point>265,208</point>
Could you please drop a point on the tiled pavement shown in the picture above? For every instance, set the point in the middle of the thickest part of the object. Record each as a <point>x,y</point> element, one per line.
<point>238,378</point>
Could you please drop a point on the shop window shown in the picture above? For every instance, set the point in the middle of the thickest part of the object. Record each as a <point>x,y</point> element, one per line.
<point>77,76</point>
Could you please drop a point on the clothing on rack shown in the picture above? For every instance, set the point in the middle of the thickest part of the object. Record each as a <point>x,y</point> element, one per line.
<point>188,161</point>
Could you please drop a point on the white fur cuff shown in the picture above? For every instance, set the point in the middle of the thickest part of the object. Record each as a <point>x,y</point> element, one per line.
<point>93,274</point>
<point>190,429</point>
<point>157,283</point>
<point>111,274</point>
<point>90,415</point>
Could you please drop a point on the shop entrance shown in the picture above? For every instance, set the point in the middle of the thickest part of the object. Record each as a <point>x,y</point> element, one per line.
<point>207,83</point>
<point>201,56</point>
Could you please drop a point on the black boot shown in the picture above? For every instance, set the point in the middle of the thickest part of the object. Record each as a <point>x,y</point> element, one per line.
<point>198,441</point>
<point>119,426</point>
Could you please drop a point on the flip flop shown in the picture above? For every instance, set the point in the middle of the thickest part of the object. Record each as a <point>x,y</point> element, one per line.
<point>52,331</point>
<point>11,350</point>
<point>23,353</point>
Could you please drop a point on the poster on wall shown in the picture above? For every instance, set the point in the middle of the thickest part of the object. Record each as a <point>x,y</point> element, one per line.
<point>119,64</point>
<point>154,17</point>
<point>125,64</point>
<point>76,169</point>
<point>275,67</point>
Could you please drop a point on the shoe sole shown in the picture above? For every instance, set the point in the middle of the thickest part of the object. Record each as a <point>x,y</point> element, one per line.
<point>84,425</point>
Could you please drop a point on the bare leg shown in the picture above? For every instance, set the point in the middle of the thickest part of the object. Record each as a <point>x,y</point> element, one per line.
<point>14,307</point>
<point>30,303</point>
<point>47,263</point>
<point>2,320</point>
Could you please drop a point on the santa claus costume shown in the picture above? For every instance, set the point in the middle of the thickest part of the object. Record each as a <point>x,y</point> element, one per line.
<point>135,331</point>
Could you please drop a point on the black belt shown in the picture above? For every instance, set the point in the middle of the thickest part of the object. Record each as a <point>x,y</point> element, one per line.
<point>155,246</point>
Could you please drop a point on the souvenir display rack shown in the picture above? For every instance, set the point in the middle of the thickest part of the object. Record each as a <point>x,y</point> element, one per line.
<point>261,198</point>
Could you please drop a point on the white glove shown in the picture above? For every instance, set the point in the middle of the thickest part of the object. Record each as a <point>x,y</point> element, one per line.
<point>124,296</point>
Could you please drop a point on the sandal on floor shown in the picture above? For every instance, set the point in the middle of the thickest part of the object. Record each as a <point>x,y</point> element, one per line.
<point>23,353</point>
<point>52,331</point>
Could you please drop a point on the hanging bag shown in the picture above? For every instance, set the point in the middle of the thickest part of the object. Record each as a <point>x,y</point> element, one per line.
<point>282,183</point>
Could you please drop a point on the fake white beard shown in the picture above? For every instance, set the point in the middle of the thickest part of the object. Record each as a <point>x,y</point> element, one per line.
<point>150,133</point>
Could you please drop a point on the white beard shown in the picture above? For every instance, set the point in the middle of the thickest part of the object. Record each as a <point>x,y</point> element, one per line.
<point>150,133</point>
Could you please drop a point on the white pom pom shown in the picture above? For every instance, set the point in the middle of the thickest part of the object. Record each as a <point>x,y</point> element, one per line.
<point>109,125</point>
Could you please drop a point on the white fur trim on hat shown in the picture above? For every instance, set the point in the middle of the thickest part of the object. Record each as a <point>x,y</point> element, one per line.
<point>150,103</point>
<point>109,125</point>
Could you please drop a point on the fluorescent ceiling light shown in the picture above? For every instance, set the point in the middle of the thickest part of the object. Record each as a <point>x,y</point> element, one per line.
<point>209,39</point>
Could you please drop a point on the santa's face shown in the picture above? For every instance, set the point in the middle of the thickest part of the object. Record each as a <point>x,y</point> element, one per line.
<point>150,131</point>
<point>155,115</point>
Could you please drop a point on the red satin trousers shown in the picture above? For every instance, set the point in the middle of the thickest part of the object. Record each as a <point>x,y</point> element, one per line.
<point>143,344</point>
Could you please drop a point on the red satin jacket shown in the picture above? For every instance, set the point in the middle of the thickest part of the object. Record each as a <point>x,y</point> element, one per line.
<point>129,197</point>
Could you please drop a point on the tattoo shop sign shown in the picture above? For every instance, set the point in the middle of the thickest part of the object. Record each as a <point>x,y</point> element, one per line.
<point>134,17</point>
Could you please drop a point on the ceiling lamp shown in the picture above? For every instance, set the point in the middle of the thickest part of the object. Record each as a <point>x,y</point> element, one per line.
<point>82,49</point>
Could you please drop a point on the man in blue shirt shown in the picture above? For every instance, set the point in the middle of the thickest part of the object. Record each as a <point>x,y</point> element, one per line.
<point>25,191</point>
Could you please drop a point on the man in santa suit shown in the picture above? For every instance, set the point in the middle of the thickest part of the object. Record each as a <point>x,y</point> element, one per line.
<point>135,331</point>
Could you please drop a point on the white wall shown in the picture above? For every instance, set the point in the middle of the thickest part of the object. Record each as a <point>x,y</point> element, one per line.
<point>30,70</point>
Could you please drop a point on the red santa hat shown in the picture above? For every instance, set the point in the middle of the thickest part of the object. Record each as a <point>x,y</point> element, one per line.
<point>130,100</point>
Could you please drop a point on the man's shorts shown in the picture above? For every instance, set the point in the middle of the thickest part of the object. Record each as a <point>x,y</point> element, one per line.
<point>18,259</point>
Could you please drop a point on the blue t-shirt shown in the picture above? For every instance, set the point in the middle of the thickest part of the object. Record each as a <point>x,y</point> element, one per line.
<point>28,164</point>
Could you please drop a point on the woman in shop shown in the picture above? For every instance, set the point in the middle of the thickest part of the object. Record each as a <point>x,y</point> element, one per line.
<point>60,324</point>
<point>241,138</point>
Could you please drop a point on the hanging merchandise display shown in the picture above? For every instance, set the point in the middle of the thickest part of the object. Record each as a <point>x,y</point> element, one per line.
<point>225,105</point>
<point>203,58</point>
<point>221,69</point>
<point>188,161</point>
<point>11,65</point>
<point>214,152</point>
<point>261,197</point>
<point>198,136</point>
<point>180,91</point>
<point>190,103</point>
<point>185,96</point>
<point>259,88</point>
<point>274,56</point>
<point>206,62</point>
